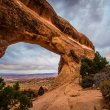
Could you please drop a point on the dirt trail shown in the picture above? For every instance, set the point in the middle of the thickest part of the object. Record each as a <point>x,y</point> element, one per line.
<point>69,97</point>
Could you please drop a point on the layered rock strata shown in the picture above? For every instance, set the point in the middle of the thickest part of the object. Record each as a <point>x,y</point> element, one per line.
<point>36,22</point>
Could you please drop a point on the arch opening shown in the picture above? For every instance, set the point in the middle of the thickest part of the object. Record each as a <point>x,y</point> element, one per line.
<point>23,23</point>
<point>25,58</point>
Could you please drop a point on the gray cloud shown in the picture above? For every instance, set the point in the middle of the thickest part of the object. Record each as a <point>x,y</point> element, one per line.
<point>23,57</point>
<point>90,17</point>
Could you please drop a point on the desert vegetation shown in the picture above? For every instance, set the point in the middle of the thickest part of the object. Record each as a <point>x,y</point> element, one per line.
<point>12,97</point>
<point>19,95</point>
<point>89,68</point>
<point>97,72</point>
<point>33,83</point>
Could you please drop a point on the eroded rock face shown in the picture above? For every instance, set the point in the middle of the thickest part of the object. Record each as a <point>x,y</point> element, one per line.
<point>36,22</point>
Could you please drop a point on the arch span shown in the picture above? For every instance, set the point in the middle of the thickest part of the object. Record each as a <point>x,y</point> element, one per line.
<point>36,22</point>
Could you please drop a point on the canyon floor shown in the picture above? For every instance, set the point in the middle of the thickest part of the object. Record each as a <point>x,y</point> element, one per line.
<point>70,97</point>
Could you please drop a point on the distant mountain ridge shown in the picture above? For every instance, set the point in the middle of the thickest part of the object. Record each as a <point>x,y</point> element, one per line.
<point>18,77</point>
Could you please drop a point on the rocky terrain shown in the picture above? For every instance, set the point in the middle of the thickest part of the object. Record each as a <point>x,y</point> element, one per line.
<point>70,97</point>
<point>36,22</point>
<point>33,84</point>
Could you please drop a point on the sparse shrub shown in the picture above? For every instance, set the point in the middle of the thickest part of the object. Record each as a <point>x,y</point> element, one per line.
<point>2,83</point>
<point>99,63</point>
<point>90,68</point>
<point>86,66</point>
<point>105,89</point>
<point>16,86</point>
<point>12,97</point>
<point>93,66</point>
<point>7,98</point>
<point>30,93</point>
<point>87,82</point>
<point>41,91</point>
<point>25,103</point>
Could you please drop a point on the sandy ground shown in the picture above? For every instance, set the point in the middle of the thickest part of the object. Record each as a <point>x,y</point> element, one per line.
<point>69,97</point>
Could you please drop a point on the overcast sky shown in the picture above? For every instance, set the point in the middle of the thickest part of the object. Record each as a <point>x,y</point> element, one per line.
<point>90,17</point>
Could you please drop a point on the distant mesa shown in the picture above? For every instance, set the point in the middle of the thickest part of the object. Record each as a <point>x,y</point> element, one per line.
<point>36,22</point>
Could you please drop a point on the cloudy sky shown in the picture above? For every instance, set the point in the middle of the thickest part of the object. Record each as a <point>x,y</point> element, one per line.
<point>90,17</point>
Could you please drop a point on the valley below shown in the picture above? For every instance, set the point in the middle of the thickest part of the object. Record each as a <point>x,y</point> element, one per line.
<point>30,81</point>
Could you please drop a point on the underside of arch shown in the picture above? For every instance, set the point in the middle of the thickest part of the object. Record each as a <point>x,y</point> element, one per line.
<point>36,22</point>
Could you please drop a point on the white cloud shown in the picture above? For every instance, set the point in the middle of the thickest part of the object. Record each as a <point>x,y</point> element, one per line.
<point>30,58</point>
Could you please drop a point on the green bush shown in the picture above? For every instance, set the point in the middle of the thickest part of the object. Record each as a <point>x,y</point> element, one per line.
<point>2,83</point>
<point>16,86</point>
<point>91,67</point>
<point>87,82</point>
<point>25,103</point>
<point>12,97</point>
<point>85,67</point>
<point>7,98</point>
<point>30,93</point>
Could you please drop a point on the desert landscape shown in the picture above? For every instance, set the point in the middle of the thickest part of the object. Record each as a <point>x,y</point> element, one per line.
<point>30,81</point>
<point>69,96</point>
<point>81,78</point>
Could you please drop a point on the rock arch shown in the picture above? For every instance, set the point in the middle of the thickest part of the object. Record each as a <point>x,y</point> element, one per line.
<point>36,22</point>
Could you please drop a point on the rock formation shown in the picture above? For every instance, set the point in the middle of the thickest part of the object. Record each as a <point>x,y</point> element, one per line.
<point>36,22</point>
<point>70,97</point>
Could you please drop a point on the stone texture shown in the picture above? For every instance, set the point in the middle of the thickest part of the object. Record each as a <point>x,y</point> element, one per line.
<point>36,22</point>
<point>69,97</point>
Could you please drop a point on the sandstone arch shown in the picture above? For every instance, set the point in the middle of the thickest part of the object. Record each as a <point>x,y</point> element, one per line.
<point>36,22</point>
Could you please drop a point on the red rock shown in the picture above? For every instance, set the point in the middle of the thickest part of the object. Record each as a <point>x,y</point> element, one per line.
<point>36,22</point>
